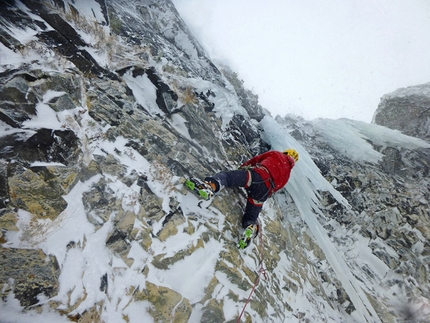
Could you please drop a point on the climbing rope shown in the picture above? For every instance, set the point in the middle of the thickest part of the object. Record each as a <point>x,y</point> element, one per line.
<point>261,271</point>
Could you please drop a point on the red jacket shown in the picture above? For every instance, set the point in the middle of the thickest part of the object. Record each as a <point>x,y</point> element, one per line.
<point>274,168</point>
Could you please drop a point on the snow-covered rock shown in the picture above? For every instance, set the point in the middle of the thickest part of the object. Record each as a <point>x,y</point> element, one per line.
<point>407,110</point>
<point>106,105</point>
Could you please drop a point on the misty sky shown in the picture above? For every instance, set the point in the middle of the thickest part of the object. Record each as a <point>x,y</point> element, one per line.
<point>317,58</point>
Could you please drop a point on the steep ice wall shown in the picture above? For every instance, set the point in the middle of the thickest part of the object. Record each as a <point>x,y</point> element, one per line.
<point>106,106</point>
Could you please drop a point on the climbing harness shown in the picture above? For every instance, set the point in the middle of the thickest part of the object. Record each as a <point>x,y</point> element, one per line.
<point>269,182</point>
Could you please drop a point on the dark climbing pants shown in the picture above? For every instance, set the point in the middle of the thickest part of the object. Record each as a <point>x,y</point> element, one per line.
<point>257,191</point>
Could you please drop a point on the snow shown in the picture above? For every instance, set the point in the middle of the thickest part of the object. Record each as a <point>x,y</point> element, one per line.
<point>19,238</point>
<point>89,259</point>
<point>45,116</point>
<point>6,130</point>
<point>23,35</point>
<point>226,103</point>
<point>419,90</point>
<point>11,312</point>
<point>144,92</point>
<point>45,164</point>
<point>10,59</point>
<point>179,276</point>
<point>90,9</point>
<point>83,265</point>
<point>179,123</point>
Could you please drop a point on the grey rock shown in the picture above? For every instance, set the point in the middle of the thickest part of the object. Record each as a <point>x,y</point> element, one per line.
<point>28,273</point>
<point>389,200</point>
<point>407,110</point>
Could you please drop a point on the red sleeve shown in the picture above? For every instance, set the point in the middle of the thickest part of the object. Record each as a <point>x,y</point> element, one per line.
<point>255,160</point>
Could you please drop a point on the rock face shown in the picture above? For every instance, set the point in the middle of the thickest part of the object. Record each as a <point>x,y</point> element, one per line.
<point>390,207</point>
<point>102,113</point>
<point>407,110</point>
<point>31,272</point>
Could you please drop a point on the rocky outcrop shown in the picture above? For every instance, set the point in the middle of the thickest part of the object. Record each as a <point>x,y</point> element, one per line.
<point>247,99</point>
<point>94,219</point>
<point>28,273</point>
<point>37,189</point>
<point>407,110</point>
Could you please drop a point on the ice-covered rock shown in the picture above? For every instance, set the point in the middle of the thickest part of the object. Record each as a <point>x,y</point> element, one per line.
<point>106,105</point>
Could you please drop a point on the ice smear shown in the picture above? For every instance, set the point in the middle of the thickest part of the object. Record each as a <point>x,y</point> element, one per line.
<point>305,180</point>
<point>351,138</point>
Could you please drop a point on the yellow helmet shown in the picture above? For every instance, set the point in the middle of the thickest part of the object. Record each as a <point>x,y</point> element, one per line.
<point>293,153</point>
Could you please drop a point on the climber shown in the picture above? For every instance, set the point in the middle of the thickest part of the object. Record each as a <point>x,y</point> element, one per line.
<point>261,176</point>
